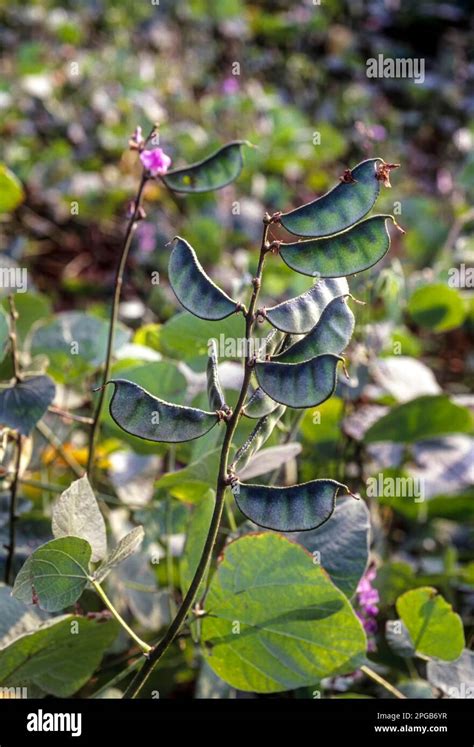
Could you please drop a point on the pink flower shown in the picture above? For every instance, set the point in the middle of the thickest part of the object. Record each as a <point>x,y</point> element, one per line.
<point>156,162</point>
<point>230,85</point>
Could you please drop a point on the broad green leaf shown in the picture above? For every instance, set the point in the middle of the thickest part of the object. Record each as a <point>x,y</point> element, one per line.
<point>60,657</point>
<point>196,534</point>
<point>185,336</point>
<point>437,307</point>
<point>77,513</point>
<point>213,172</point>
<point>435,630</point>
<point>259,404</point>
<point>193,288</point>
<point>260,434</point>
<point>299,385</point>
<point>275,621</point>
<point>190,483</point>
<point>339,208</point>
<point>145,416</point>
<point>214,389</point>
<point>351,251</point>
<point>11,190</point>
<point>24,403</point>
<point>75,343</point>
<point>293,509</point>
<point>421,418</point>
<point>341,546</point>
<point>300,314</point>
<point>127,546</point>
<point>16,617</point>
<point>454,679</point>
<point>55,574</point>
<point>331,334</point>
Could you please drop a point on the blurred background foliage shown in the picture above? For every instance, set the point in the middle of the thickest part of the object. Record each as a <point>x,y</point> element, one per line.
<point>76,79</point>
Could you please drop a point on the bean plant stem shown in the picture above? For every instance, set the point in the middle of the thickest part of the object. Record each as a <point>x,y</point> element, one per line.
<point>113,322</point>
<point>157,652</point>
<point>12,512</point>
<point>144,646</point>
<point>381,681</point>
<point>16,470</point>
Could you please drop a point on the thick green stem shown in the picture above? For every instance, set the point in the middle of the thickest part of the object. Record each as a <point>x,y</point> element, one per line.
<point>113,322</point>
<point>157,652</point>
<point>144,646</point>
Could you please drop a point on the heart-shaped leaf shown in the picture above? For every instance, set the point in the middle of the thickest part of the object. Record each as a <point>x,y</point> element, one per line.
<point>259,404</point>
<point>260,434</point>
<point>299,385</point>
<point>274,619</point>
<point>435,630</point>
<point>24,403</point>
<point>55,574</point>
<point>214,389</point>
<point>139,413</point>
<point>292,509</point>
<point>213,172</point>
<point>60,656</point>
<point>348,252</point>
<point>193,288</point>
<point>339,208</point>
<point>127,546</point>
<point>300,314</point>
<point>76,513</point>
<point>330,335</point>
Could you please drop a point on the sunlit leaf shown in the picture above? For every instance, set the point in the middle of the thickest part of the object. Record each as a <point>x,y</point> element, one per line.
<point>24,403</point>
<point>55,574</point>
<point>213,172</point>
<point>434,629</point>
<point>145,416</point>
<point>300,314</point>
<point>76,513</point>
<point>299,385</point>
<point>339,208</point>
<point>354,250</point>
<point>294,626</point>
<point>292,509</point>
<point>331,334</point>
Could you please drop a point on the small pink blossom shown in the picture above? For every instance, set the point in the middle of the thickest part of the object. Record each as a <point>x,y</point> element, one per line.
<point>230,85</point>
<point>156,162</point>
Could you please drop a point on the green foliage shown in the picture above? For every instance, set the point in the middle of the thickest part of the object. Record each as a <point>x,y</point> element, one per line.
<point>437,307</point>
<point>434,629</point>
<point>286,640</point>
<point>11,190</point>
<point>24,403</point>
